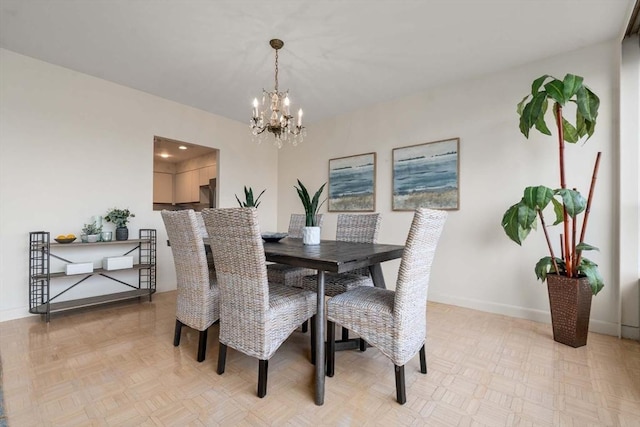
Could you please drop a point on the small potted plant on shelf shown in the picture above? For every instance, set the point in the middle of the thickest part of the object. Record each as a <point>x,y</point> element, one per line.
<point>310,233</point>
<point>120,217</point>
<point>249,201</point>
<point>571,278</point>
<point>91,233</point>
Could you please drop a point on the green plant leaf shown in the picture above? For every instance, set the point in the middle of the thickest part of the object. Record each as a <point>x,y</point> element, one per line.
<point>590,269</point>
<point>545,266</point>
<point>588,103</point>
<point>537,197</point>
<point>511,226</point>
<point>525,123</point>
<point>239,202</point>
<point>581,125</point>
<point>526,216</point>
<point>535,87</point>
<point>571,85</point>
<point>531,112</point>
<point>569,131</point>
<point>248,194</point>
<point>585,247</point>
<point>573,201</point>
<point>520,106</point>
<point>555,89</point>
<point>541,126</point>
<point>591,126</point>
<point>558,209</point>
<point>257,203</point>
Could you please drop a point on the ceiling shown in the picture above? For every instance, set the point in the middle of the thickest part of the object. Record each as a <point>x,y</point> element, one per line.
<point>338,56</point>
<point>172,151</point>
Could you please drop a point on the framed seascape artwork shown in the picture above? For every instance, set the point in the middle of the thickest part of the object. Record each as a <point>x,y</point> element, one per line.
<point>352,183</point>
<point>426,176</point>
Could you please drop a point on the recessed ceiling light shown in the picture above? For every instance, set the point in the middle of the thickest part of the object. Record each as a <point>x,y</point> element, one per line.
<point>164,155</point>
<point>182,147</point>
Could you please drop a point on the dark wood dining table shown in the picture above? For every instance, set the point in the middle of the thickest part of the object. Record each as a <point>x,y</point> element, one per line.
<point>336,257</point>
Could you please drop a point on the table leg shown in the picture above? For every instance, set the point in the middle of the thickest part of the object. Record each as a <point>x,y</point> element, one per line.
<point>320,350</point>
<point>377,276</point>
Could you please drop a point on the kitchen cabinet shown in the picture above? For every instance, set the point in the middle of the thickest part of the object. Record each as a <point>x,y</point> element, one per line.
<point>42,250</point>
<point>205,174</point>
<point>162,187</point>
<point>187,187</point>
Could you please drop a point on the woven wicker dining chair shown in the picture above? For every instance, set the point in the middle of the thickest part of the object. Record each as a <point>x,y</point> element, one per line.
<point>357,228</point>
<point>197,304</point>
<point>287,274</point>
<point>256,317</point>
<point>393,321</point>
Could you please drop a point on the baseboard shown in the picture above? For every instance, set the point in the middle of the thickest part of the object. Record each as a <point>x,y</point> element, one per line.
<point>15,313</point>
<point>541,316</point>
<point>631,332</point>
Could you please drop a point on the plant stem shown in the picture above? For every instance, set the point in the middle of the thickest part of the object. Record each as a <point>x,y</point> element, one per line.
<point>594,177</point>
<point>546,236</point>
<point>567,248</point>
<point>574,226</point>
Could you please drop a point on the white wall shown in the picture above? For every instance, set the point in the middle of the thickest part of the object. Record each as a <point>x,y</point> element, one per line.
<point>630,187</point>
<point>476,265</point>
<point>73,146</point>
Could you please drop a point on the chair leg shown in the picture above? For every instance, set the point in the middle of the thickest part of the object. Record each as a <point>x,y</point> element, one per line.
<point>176,334</point>
<point>345,334</point>
<point>305,326</point>
<point>313,339</point>
<point>222,358</point>
<point>363,344</point>
<point>423,360</point>
<point>401,395</point>
<point>202,345</point>
<point>331,350</point>
<point>263,368</point>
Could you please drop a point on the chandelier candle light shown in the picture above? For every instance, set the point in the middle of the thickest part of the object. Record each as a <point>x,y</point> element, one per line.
<point>280,122</point>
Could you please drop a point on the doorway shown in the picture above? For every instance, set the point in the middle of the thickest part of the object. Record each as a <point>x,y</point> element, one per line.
<point>185,175</point>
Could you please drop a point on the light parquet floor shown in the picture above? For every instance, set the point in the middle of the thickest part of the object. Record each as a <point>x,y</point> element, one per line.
<point>116,366</point>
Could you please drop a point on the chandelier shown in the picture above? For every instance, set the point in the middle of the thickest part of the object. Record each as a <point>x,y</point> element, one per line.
<point>277,118</point>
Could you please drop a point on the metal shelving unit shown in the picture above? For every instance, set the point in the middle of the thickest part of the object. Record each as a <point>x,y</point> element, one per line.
<point>41,250</point>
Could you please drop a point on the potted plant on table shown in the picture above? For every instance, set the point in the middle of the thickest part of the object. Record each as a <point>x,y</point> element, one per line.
<point>90,233</point>
<point>120,217</point>
<point>571,278</point>
<point>310,233</point>
<point>249,201</point>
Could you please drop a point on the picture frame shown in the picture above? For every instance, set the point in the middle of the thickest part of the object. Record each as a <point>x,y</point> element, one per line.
<point>427,175</point>
<point>352,183</point>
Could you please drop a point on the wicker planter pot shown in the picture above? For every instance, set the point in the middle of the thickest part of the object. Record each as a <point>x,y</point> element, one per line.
<point>570,302</point>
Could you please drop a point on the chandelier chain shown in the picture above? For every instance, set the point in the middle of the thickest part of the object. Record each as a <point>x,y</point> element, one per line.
<point>276,70</point>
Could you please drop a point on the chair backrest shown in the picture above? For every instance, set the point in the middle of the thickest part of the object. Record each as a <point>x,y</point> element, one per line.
<point>241,270</point>
<point>297,223</point>
<point>190,260</point>
<point>201,227</point>
<point>415,267</point>
<point>358,228</point>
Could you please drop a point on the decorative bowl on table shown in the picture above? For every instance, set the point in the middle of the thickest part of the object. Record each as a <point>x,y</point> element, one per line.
<point>64,240</point>
<point>273,237</point>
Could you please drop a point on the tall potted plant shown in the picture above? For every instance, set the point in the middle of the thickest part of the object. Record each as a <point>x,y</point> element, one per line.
<point>120,217</point>
<point>310,233</point>
<point>571,278</point>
